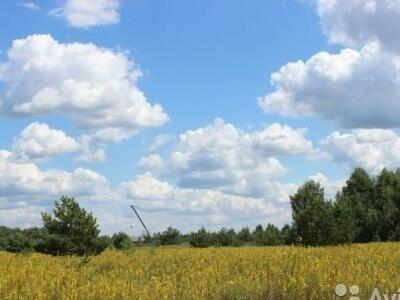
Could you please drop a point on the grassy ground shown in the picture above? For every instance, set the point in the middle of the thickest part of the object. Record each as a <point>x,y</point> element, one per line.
<point>215,273</point>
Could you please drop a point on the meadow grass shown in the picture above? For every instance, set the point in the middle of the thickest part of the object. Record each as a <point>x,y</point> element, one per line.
<point>213,273</point>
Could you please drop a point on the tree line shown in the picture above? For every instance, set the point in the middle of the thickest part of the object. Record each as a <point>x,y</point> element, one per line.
<point>367,209</point>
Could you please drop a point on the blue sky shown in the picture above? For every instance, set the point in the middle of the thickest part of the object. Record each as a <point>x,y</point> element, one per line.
<point>235,143</point>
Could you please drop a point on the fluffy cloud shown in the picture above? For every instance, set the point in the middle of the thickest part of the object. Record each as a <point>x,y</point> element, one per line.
<point>160,202</point>
<point>26,179</point>
<point>278,139</point>
<point>357,22</point>
<point>93,86</point>
<point>151,194</point>
<point>88,13</point>
<point>21,217</point>
<point>219,155</point>
<point>356,88</point>
<point>93,145</point>
<point>38,141</point>
<point>232,161</point>
<point>25,191</point>
<point>219,175</point>
<point>372,149</point>
<point>352,88</point>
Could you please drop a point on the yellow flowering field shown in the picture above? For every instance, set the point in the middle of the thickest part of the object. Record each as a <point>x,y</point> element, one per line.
<point>213,273</point>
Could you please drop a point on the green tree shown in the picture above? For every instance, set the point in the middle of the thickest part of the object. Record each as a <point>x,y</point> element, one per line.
<point>171,236</point>
<point>71,230</point>
<point>289,234</point>
<point>245,235</point>
<point>258,234</point>
<point>19,242</point>
<point>201,238</point>
<point>227,237</point>
<point>122,241</point>
<point>4,237</point>
<point>345,227</point>
<point>273,236</point>
<point>270,236</point>
<point>312,216</point>
<point>358,198</point>
<point>388,203</point>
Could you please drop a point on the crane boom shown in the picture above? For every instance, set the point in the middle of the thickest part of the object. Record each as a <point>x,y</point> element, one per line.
<point>141,221</point>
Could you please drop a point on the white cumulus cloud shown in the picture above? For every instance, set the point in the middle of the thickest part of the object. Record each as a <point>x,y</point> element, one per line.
<point>222,157</point>
<point>88,13</point>
<point>93,86</point>
<point>352,88</point>
<point>38,141</point>
<point>24,179</point>
<point>355,23</point>
<point>372,149</point>
<point>151,194</point>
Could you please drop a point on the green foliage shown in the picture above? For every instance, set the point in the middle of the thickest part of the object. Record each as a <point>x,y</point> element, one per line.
<point>201,239</point>
<point>271,236</point>
<point>71,230</point>
<point>171,236</point>
<point>55,244</point>
<point>19,242</point>
<point>227,237</point>
<point>345,228</point>
<point>244,235</point>
<point>313,217</point>
<point>388,204</point>
<point>258,234</point>
<point>5,232</point>
<point>289,234</point>
<point>359,199</point>
<point>367,209</point>
<point>122,241</point>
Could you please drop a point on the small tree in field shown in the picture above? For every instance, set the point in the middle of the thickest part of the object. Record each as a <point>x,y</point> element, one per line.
<point>122,241</point>
<point>71,230</point>
<point>171,236</point>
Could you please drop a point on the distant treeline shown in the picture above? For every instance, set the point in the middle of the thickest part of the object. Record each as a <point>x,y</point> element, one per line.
<point>366,209</point>
<point>37,239</point>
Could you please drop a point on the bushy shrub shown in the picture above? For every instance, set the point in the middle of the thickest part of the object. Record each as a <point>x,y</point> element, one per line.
<point>122,241</point>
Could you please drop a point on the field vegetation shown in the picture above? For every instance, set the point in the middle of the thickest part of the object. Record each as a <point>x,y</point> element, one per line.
<point>281,272</point>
